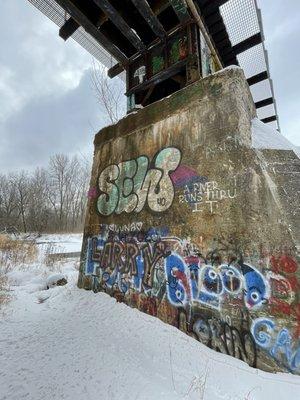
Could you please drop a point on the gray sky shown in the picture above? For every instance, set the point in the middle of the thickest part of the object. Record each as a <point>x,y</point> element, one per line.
<point>47,104</point>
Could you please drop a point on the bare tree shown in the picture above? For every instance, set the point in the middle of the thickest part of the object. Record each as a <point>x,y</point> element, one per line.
<point>78,193</point>
<point>58,185</point>
<point>8,202</point>
<point>47,200</point>
<point>109,93</point>
<point>67,190</point>
<point>39,213</point>
<point>21,184</point>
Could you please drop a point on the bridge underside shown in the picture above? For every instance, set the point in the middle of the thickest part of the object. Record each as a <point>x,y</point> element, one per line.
<point>139,36</point>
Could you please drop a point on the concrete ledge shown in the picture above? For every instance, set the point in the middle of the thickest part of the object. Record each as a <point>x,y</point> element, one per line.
<point>210,89</point>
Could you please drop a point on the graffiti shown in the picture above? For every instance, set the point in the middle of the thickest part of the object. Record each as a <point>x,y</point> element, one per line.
<point>256,287</point>
<point>283,294</point>
<point>185,175</point>
<point>203,193</point>
<point>128,186</point>
<point>147,261</point>
<point>285,286</point>
<point>170,278</point>
<point>278,343</point>
<point>178,289</point>
<point>140,73</point>
<point>92,193</point>
<point>190,280</point>
<point>220,336</point>
<point>124,263</point>
<point>157,64</point>
<point>131,227</point>
<point>179,49</point>
<point>283,263</point>
<point>206,57</point>
<point>180,7</point>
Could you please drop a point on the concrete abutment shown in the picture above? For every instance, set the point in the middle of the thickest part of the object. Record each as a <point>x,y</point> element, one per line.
<point>188,223</point>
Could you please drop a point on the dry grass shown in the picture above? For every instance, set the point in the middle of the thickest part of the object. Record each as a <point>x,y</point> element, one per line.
<point>13,252</point>
<point>52,259</point>
<point>4,289</point>
<point>16,252</point>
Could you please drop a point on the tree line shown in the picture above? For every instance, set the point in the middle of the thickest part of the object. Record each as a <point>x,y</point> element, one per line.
<point>47,200</point>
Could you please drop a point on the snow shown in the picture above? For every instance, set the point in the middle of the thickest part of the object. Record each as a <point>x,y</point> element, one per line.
<point>52,280</point>
<point>229,68</point>
<point>266,137</point>
<point>62,243</point>
<point>67,343</point>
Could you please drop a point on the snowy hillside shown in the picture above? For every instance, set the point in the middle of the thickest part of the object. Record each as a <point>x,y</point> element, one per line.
<point>66,343</point>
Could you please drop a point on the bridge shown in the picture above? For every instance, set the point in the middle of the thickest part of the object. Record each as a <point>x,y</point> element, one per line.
<point>164,45</point>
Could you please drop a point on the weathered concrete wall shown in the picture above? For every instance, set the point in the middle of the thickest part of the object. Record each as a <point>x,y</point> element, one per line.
<point>186,223</point>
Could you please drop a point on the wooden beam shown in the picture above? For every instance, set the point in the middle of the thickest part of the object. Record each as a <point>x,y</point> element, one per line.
<point>147,13</point>
<point>265,102</point>
<point>68,28</point>
<point>181,10</point>
<point>115,70</point>
<point>120,23</point>
<point>247,43</point>
<point>257,78</point>
<point>90,28</point>
<point>269,119</point>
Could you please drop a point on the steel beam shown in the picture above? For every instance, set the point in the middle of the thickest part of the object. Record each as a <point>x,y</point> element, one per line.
<point>120,23</point>
<point>265,102</point>
<point>68,28</point>
<point>149,16</point>
<point>269,119</point>
<point>247,43</point>
<point>257,78</point>
<point>90,28</point>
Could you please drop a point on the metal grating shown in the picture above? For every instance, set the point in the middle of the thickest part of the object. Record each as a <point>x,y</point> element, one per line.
<point>261,90</point>
<point>273,124</point>
<point>266,111</point>
<point>242,19</point>
<point>57,15</point>
<point>253,61</point>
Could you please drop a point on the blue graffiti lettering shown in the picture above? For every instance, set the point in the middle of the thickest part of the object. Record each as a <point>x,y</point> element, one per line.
<point>279,344</point>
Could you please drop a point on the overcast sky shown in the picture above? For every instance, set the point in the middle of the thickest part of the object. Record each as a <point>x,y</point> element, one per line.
<point>47,104</point>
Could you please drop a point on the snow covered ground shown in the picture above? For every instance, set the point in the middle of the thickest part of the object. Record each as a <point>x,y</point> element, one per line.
<point>61,243</point>
<point>66,343</point>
